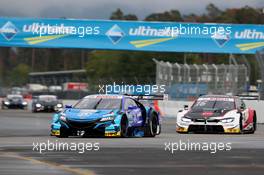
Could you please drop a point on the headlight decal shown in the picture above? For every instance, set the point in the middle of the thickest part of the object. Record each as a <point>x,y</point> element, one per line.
<point>38,105</point>
<point>227,120</point>
<point>24,103</point>
<point>59,105</point>
<point>6,102</point>
<point>184,119</point>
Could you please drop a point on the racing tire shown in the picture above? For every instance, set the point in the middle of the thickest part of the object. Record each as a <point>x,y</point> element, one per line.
<point>153,126</point>
<point>159,130</point>
<point>124,127</point>
<point>254,125</point>
<point>63,133</point>
<point>241,125</point>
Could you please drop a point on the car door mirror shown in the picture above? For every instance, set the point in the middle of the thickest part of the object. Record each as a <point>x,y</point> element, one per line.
<point>131,107</point>
<point>68,106</point>
<point>242,107</point>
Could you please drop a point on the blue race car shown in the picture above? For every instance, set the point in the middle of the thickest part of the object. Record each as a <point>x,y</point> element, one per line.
<point>107,115</point>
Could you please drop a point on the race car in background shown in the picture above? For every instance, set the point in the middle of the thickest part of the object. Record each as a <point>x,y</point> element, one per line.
<point>107,115</point>
<point>217,113</point>
<point>14,102</point>
<point>47,103</point>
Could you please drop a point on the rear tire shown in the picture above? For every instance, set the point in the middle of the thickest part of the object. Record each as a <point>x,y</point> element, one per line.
<point>241,125</point>
<point>159,130</point>
<point>153,126</point>
<point>254,125</point>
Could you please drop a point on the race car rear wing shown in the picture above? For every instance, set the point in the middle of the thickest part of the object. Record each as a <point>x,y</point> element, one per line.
<point>248,97</point>
<point>149,97</point>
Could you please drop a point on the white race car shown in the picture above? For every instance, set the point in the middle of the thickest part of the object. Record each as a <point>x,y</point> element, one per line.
<point>217,113</point>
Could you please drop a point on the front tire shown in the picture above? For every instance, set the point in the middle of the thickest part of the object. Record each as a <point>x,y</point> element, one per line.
<point>63,133</point>
<point>124,127</point>
<point>241,125</point>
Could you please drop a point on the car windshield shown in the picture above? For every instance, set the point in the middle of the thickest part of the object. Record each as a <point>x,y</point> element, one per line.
<point>15,97</point>
<point>47,98</point>
<point>213,104</point>
<point>99,103</point>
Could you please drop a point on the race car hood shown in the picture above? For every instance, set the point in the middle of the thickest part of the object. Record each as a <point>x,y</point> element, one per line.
<point>15,101</point>
<point>201,113</point>
<point>85,114</point>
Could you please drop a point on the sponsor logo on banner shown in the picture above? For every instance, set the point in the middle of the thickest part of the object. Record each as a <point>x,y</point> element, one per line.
<point>149,31</point>
<point>9,31</point>
<point>220,39</point>
<point>161,35</point>
<point>250,34</point>
<point>115,34</point>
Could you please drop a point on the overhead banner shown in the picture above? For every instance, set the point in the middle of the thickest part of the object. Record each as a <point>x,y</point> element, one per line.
<point>131,35</point>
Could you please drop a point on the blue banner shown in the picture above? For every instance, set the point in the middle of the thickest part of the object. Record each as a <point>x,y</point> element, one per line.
<point>131,35</point>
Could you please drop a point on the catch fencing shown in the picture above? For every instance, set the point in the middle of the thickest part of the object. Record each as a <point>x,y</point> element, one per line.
<point>185,80</point>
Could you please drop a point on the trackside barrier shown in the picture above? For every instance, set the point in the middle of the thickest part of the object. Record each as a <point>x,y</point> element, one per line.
<point>170,108</point>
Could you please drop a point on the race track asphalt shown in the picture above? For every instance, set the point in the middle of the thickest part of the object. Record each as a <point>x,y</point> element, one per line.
<point>22,133</point>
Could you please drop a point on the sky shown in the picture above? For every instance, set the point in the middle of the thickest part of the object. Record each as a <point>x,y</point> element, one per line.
<point>102,9</point>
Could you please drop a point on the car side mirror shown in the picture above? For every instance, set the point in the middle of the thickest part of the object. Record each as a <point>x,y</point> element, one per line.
<point>242,107</point>
<point>68,106</point>
<point>131,107</point>
<point>185,107</point>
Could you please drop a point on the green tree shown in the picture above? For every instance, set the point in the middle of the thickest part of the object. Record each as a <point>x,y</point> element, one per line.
<point>173,15</point>
<point>117,15</point>
<point>19,75</point>
<point>213,12</point>
<point>130,17</point>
